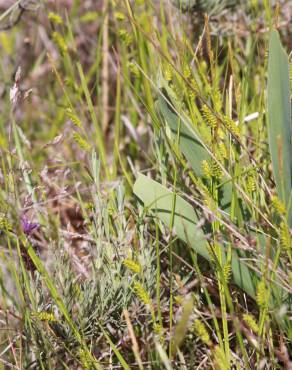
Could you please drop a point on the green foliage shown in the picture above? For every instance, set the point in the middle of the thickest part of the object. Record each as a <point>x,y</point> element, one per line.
<point>279,120</point>
<point>195,270</point>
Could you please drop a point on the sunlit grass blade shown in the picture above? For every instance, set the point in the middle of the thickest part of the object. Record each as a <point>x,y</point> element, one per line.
<point>279,118</point>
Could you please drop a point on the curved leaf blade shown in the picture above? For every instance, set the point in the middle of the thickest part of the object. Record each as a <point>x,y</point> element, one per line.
<point>279,117</point>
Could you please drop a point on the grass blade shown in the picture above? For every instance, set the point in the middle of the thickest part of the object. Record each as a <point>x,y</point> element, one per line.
<point>279,117</point>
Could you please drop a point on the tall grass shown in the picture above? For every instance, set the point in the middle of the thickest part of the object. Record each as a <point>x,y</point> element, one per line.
<point>145,186</point>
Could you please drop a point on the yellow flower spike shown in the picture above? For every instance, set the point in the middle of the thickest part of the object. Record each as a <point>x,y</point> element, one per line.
<point>132,265</point>
<point>55,18</point>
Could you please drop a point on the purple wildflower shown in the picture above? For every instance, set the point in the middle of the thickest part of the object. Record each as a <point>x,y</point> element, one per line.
<point>28,226</point>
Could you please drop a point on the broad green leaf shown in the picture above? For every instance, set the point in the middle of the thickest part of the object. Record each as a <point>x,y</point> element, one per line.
<point>191,146</point>
<point>279,118</point>
<point>159,200</point>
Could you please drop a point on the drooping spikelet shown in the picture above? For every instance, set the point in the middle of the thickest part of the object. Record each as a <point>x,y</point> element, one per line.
<point>227,270</point>
<point>133,68</point>
<point>216,170</point>
<point>251,322</point>
<point>167,70</point>
<point>222,150</point>
<point>125,36</point>
<point>60,42</point>
<point>82,143</point>
<point>132,265</point>
<point>262,294</point>
<point>285,236</point>
<point>187,73</point>
<point>279,206</point>
<point>251,184</point>
<point>88,17</point>
<point>194,84</point>
<point>202,187</point>
<point>44,316</point>
<point>217,100</point>
<point>211,253</point>
<point>231,126</point>
<point>55,18</point>
<point>206,168</point>
<point>209,117</point>
<point>201,332</point>
<point>73,117</point>
<point>141,293</point>
<point>193,89</point>
<point>208,39</point>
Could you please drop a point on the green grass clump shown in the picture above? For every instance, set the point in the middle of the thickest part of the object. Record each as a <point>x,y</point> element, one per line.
<point>145,172</point>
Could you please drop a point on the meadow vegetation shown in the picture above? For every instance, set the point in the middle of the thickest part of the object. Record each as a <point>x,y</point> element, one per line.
<point>146,176</point>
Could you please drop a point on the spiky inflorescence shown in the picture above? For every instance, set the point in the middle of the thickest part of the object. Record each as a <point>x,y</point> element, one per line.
<point>212,170</point>
<point>216,170</point>
<point>251,184</point>
<point>278,206</point>
<point>194,84</point>
<point>187,73</point>
<point>133,68</point>
<point>55,18</point>
<point>227,271</point>
<point>285,236</point>
<point>60,42</point>
<point>126,37</point>
<point>132,265</point>
<point>206,168</point>
<point>73,117</point>
<point>231,126</point>
<point>201,332</point>
<point>44,316</point>
<point>82,143</point>
<point>262,294</point>
<point>209,117</point>
<point>217,100</point>
<point>222,150</point>
<point>167,71</point>
<point>251,322</point>
<point>141,293</point>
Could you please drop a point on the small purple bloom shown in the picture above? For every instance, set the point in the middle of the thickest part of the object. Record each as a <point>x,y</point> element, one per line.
<point>28,226</point>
